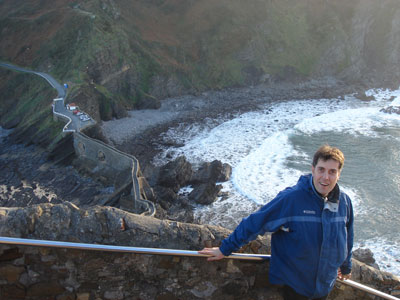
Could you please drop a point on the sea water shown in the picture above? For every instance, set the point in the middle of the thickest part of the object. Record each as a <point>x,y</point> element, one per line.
<point>270,148</point>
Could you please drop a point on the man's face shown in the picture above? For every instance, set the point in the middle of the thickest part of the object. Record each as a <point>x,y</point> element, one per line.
<point>325,175</point>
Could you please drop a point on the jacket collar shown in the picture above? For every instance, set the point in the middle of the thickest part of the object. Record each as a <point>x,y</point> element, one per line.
<point>333,196</point>
<point>332,202</point>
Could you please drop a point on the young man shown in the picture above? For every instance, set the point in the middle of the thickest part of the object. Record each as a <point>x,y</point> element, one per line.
<point>312,225</point>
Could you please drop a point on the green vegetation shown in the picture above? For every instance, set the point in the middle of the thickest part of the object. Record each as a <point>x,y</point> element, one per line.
<point>377,47</point>
<point>68,50</point>
<point>26,104</point>
<point>110,51</point>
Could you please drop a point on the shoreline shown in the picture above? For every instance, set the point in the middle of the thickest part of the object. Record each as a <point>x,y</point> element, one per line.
<point>142,129</point>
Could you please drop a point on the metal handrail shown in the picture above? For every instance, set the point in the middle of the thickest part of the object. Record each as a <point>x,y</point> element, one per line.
<point>111,248</point>
<point>172,252</point>
<point>367,289</point>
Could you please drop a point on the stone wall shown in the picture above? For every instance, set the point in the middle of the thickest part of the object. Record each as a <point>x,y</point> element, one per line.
<point>107,159</point>
<point>34,273</point>
<point>115,167</point>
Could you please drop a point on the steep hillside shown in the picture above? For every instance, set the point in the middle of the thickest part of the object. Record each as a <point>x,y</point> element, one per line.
<point>26,104</point>
<point>119,55</point>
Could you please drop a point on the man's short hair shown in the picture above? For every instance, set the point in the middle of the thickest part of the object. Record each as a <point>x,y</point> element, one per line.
<point>327,152</point>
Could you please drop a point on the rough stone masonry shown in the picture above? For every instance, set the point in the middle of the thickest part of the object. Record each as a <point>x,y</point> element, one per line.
<point>35,273</point>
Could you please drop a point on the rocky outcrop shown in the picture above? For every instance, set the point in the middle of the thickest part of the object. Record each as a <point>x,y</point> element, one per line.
<point>391,110</point>
<point>366,256</point>
<point>364,97</point>
<point>175,174</point>
<point>216,171</point>
<point>205,193</point>
<point>34,273</point>
<point>204,183</point>
<point>170,178</point>
<point>27,177</point>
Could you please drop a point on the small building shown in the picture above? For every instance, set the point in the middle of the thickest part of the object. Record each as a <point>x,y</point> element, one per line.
<point>72,106</point>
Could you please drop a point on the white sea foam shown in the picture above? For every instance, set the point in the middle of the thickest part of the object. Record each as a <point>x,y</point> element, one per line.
<point>185,190</point>
<point>357,121</point>
<point>230,141</point>
<point>396,101</point>
<point>226,212</point>
<point>263,173</point>
<point>355,200</point>
<point>383,94</point>
<point>351,121</point>
<point>386,252</point>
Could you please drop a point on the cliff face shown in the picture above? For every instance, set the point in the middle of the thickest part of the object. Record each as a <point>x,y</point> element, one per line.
<point>374,43</point>
<point>120,55</point>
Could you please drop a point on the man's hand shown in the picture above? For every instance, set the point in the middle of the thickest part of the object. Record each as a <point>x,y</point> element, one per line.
<point>214,253</point>
<point>343,276</point>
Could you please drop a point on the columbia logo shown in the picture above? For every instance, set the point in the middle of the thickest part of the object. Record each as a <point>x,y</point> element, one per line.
<point>310,212</point>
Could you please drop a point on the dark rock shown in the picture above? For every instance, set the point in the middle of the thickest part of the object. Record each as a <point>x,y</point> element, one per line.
<point>176,213</point>
<point>165,196</point>
<point>10,272</point>
<point>175,174</point>
<point>148,102</point>
<point>366,256</point>
<point>13,292</point>
<point>118,110</point>
<point>10,254</point>
<point>364,97</point>
<point>215,171</point>
<point>95,132</point>
<point>391,110</point>
<point>167,86</point>
<point>205,193</point>
<point>66,296</point>
<point>328,94</point>
<point>236,287</point>
<point>166,296</point>
<point>44,289</point>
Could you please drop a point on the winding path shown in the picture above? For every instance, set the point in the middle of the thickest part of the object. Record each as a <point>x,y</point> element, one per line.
<point>75,125</point>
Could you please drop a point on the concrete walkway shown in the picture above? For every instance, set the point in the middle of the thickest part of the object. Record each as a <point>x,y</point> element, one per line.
<point>75,125</point>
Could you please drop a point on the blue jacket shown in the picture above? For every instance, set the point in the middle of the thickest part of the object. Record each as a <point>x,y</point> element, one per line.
<point>311,238</point>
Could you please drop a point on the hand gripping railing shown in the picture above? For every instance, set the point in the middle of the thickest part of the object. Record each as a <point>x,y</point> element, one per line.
<point>171,252</point>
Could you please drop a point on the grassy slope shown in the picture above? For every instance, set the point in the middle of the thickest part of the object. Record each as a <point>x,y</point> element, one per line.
<point>26,105</point>
<point>209,43</point>
<point>203,43</point>
<point>109,51</point>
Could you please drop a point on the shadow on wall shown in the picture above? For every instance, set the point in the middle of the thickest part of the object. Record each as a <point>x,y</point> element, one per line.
<point>114,167</point>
